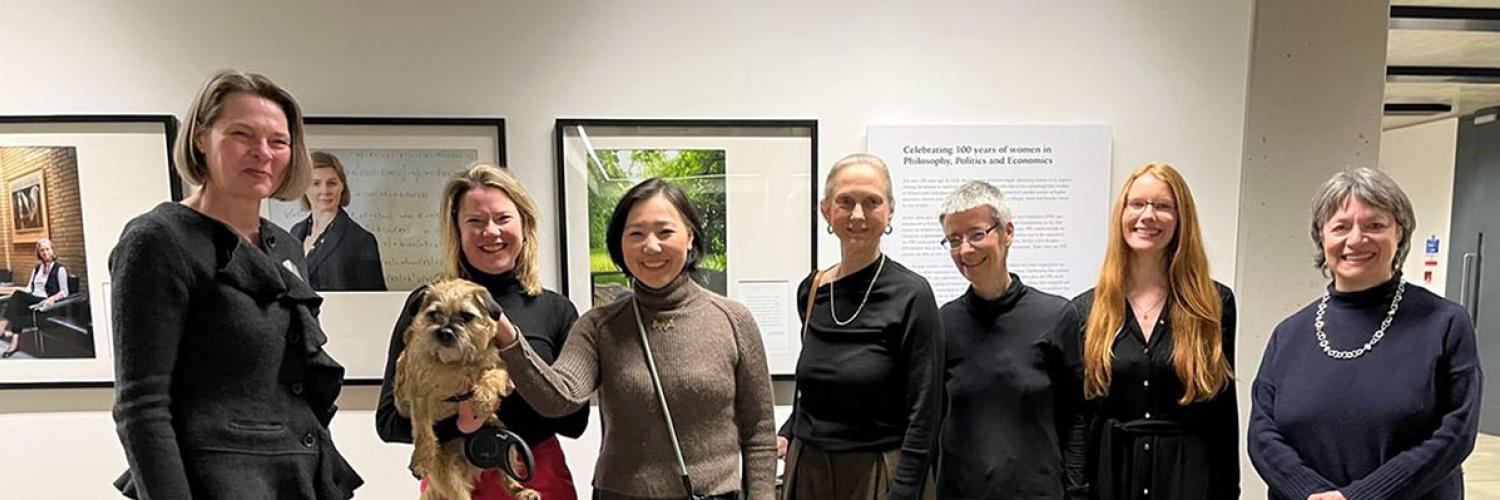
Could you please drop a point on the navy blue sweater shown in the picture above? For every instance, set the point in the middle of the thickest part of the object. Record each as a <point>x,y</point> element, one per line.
<point>1395,423</point>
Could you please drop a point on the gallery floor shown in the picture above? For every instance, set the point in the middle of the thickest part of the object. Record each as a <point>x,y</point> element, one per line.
<point>1482,470</point>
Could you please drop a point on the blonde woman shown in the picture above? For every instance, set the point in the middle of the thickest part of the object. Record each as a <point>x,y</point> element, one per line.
<point>341,254</point>
<point>490,237</point>
<point>1158,344</point>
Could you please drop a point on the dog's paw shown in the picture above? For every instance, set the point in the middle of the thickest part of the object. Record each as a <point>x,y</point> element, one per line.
<point>416,471</point>
<point>527,494</point>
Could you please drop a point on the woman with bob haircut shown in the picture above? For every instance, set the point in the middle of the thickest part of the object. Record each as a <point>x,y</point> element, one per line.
<point>341,255</point>
<point>223,389</point>
<point>490,237</point>
<point>1371,391</point>
<point>707,352</point>
<point>1158,347</point>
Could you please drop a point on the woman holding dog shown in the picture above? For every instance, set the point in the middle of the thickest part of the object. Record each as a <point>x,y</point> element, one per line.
<point>706,352</point>
<point>1158,345</point>
<point>223,389</point>
<point>490,238</point>
<point>870,376</point>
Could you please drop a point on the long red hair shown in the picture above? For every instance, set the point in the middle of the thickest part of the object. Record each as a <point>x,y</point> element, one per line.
<point>1193,302</point>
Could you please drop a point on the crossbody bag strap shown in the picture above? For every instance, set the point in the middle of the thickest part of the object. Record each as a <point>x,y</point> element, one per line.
<point>661,398</point>
<point>812,297</point>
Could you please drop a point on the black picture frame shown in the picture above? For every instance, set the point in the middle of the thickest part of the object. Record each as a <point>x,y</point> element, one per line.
<point>96,371</point>
<point>358,341</point>
<point>421,121</point>
<point>684,128</point>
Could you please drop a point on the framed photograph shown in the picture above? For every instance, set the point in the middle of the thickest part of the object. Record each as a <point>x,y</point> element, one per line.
<point>74,181</point>
<point>751,181</point>
<point>28,215</point>
<point>371,217</point>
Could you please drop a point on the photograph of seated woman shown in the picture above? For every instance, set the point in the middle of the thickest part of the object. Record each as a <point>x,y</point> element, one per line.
<point>48,284</point>
<point>341,255</point>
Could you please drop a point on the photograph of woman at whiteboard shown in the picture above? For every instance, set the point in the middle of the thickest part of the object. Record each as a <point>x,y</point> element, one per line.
<point>341,255</point>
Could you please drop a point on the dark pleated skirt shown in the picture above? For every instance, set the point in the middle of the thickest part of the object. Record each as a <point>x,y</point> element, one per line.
<point>814,474</point>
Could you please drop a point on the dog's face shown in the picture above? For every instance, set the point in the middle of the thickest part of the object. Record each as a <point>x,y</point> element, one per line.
<point>455,322</point>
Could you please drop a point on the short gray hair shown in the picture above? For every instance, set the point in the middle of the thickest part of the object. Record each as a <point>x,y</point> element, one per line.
<point>975,194</point>
<point>853,159</point>
<point>1373,188</point>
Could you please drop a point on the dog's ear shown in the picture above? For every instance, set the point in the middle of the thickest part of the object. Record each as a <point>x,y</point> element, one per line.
<point>488,303</point>
<point>418,300</point>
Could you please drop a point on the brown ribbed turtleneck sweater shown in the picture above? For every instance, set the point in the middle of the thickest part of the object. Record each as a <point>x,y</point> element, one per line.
<point>713,369</point>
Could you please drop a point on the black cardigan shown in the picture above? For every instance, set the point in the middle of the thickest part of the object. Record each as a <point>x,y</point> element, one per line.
<point>222,385</point>
<point>346,256</point>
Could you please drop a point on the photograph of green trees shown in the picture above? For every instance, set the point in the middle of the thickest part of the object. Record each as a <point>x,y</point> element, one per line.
<point>700,174</point>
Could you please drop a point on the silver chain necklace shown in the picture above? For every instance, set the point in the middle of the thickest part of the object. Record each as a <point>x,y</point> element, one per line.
<point>1375,339</point>
<point>835,315</point>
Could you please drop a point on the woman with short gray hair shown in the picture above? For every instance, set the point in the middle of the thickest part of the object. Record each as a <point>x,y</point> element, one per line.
<point>1013,428</point>
<point>1341,412</point>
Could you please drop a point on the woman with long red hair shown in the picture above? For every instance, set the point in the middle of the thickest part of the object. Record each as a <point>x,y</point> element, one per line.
<point>1158,344</point>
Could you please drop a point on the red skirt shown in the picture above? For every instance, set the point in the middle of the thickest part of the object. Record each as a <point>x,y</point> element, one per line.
<point>551,478</point>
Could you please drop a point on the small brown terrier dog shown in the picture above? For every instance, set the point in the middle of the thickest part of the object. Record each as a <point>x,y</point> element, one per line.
<point>449,348</point>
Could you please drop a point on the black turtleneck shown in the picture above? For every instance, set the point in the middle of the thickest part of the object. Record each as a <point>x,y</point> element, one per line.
<point>1013,396</point>
<point>544,319</point>
<point>1396,422</point>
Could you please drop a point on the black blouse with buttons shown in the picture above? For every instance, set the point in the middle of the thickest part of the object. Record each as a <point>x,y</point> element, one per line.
<point>1142,443</point>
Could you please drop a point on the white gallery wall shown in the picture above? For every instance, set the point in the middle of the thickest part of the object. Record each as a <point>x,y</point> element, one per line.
<point>1422,160</point>
<point>1169,77</point>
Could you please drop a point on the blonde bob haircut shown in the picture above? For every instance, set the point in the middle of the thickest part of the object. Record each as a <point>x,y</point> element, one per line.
<point>207,107</point>
<point>324,159</point>
<point>1194,308</point>
<point>491,176</point>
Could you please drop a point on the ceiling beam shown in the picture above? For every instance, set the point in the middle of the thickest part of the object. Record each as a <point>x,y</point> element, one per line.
<point>1442,74</point>
<point>1414,17</point>
<point>1416,108</point>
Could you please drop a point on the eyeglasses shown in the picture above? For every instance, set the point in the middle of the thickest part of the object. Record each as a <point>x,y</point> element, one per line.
<point>1139,206</point>
<point>974,237</point>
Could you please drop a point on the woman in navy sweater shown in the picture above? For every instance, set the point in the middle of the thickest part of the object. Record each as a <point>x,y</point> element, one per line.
<point>1372,391</point>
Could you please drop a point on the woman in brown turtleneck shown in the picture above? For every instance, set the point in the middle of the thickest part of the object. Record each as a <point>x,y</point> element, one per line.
<point>708,353</point>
